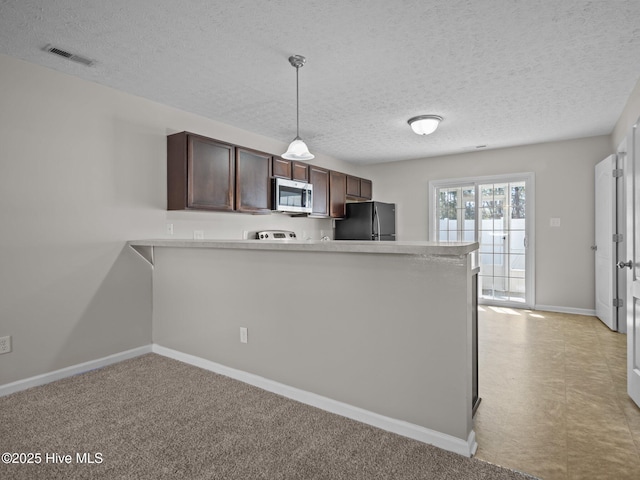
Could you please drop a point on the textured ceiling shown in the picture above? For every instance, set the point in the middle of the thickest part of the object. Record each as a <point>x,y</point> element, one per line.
<point>500,72</point>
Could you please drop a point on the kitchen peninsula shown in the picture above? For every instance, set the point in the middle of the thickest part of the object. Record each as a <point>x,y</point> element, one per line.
<point>382,332</point>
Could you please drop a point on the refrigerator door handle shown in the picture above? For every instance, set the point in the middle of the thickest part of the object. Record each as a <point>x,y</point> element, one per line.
<point>377,217</point>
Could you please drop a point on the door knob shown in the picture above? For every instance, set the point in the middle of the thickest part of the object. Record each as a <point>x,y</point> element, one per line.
<point>622,264</point>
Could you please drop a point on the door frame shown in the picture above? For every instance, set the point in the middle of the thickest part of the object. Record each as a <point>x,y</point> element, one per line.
<point>632,184</point>
<point>605,246</point>
<point>529,179</point>
<point>622,162</point>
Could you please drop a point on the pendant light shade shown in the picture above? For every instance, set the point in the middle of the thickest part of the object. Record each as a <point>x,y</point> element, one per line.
<point>297,150</point>
<point>425,124</point>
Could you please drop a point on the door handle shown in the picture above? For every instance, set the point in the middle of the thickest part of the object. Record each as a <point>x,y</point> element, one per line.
<point>622,264</point>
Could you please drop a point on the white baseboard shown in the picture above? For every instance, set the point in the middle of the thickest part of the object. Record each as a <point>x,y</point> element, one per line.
<point>416,432</point>
<point>45,378</point>
<point>575,311</point>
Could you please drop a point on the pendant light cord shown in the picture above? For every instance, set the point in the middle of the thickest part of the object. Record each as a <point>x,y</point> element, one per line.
<point>297,106</point>
<point>297,150</point>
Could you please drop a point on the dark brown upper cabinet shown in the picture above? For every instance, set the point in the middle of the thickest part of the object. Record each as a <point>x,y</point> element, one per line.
<point>281,167</point>
<point>200,173</point>
<point>299,171</point>
<point>358,188</point>
<point>319,178</point>
<point>207,174</point>
<point>337,194</point>
<point>353,186</point>
<point>253,181</point>
<point>292,170</point>
<point>366,189</point>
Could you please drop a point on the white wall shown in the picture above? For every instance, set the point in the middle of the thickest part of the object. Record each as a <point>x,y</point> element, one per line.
<point>564,178</point>
<point>82,170</point>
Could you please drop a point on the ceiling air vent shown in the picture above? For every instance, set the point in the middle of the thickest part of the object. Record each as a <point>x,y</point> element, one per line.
<point>70,56</point>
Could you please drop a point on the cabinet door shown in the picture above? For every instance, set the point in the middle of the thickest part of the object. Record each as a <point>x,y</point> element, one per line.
<point>281,167</point>
<point>253,181</point>
<point>353,186</point>
<point>210,170</point>
<point>177,171</point>
<point>338,194</point>
<point>319,178</point>
<point>366,189</point>
<point>299,172</point>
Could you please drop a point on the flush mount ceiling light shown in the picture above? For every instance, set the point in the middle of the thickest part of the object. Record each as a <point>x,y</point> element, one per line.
<point>424,124</point>
<point>297,150</point>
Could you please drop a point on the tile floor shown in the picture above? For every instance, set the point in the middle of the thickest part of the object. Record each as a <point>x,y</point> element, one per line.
<point>554,399</point>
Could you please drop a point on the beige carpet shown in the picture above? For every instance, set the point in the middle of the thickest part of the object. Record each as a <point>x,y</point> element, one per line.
<point>156,418</point>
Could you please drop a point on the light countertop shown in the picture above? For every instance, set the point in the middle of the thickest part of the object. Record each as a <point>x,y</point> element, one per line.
<point>346,246</point>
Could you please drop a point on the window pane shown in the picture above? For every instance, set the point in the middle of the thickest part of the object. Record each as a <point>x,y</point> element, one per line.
<point>486,264</point>
<point>470,211</point>
<point>456,213</point>
<point>485,286</point>
<point>517,201</point>
<point>448,201</point>
<point>516,289</point>
<point>486,241</point>
<point>517,266</point>
<point>468,236</point>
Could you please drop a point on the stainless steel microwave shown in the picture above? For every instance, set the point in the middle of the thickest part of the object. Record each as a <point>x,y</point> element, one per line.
<point>290,196</point>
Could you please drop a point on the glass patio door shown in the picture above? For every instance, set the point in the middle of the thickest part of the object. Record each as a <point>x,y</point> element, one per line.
<point>502,237</point>
<point>496,212</point>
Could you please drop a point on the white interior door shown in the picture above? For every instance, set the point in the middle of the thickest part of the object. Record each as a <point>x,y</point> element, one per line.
<point>633,261</point>
<point>605,250</point>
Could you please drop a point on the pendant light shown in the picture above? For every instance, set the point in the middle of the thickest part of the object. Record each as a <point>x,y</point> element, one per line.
<point>424,124</point>
<point>297,150</point>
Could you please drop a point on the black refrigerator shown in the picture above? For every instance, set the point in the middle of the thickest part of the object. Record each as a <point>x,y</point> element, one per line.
<point>374,221</point>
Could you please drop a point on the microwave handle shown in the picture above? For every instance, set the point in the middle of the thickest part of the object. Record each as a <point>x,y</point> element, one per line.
<point>309,194</point>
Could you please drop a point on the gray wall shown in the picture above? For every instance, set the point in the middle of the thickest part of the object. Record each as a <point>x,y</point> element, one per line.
<point>564,183</point>
<point>82,170</point>
<point>386,333</point>
<point>564,177</point>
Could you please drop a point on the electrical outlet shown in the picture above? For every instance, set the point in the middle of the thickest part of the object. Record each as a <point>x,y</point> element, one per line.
<point>244,334</point>
<point>554,222</point>
<point>170,228</point>
<point>5,344</point>
<point>198,235</point>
